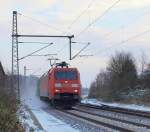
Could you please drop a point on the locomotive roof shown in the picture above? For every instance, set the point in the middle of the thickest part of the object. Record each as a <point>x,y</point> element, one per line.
<point>54,68</point>
<point>60,68</point>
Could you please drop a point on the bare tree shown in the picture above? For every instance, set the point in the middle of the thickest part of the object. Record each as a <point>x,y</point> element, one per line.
<point>143,61</point>
<point>120,76</point>
<point>123,73</point>
<point>92,91</point>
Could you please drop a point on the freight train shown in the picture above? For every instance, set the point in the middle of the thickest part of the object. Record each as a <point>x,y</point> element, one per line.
<point>61,85</point>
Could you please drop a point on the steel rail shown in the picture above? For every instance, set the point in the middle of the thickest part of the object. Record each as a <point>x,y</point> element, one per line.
<point>119,110</point>
<point>112,118</point>
<point>97,122</point>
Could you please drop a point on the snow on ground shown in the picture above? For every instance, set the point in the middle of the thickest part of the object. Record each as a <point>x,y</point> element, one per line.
<point>127,106</point>
<point>27,121</point>
<point>48,122</point>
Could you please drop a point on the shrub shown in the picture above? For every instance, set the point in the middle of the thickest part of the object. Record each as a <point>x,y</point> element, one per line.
<point>8,109</point>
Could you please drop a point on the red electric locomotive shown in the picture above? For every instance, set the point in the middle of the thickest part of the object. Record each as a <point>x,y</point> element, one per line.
<point>61,85</point>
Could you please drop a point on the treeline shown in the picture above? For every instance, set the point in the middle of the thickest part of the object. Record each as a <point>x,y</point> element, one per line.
<point>121,82</point>
<point>9,105</point>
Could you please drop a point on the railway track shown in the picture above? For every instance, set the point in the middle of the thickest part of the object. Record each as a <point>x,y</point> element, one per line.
<point>118,110</point>
<point>113,123</point>
<point>91,120</point>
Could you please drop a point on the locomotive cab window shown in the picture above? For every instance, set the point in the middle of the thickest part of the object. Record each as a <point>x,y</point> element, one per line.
<point>66,75</point>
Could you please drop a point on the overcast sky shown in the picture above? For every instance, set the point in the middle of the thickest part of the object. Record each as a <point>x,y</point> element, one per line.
<point>125,27</point>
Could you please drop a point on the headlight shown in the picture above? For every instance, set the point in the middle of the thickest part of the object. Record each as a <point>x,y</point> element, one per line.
<point>75,85</point>
<point>57,90</point>
<point>58,85</point>
<point>75,90</point>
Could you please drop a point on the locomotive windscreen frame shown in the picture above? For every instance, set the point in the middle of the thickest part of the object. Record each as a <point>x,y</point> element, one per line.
<point>66,75</point>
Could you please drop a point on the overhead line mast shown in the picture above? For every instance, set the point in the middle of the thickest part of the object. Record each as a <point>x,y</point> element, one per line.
<point>15,55</point>
<point>15,62</point>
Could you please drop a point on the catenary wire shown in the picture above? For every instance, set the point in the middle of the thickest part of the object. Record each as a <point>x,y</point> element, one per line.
<point>98,18</point>
<point>40,22</point>
<point>125,25</point>
<point>81,14</point>
<point>124,41</point>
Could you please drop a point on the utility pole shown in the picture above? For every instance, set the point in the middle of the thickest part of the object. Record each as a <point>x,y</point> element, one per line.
<point>25,73</point>
<point>15,62</point>
<point>70,49</point>
<point>25,69</point>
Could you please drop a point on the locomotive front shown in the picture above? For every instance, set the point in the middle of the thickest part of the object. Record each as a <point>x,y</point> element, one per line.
<point>66,85</point>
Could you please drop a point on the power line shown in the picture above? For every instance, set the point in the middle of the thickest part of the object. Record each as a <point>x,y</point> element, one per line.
<point>120,43</point>
<point>85,55</point>
<point>40,22</point>
<point>82,13</point>
<point>36,51</point>
<point>81,50</point>
<point>125,25</point>
<point>124,41</point>
<point>98,18</point>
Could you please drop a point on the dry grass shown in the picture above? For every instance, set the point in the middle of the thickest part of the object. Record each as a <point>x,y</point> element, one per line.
<point>8,109</point>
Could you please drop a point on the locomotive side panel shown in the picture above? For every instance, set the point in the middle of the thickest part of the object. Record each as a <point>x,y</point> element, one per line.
<point>44,86</point>
<point>50,85</point>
